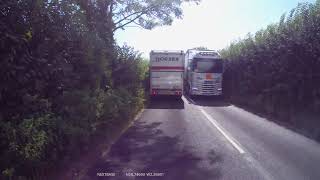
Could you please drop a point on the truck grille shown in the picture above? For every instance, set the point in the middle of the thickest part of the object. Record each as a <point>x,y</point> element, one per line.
<point>209,88</point>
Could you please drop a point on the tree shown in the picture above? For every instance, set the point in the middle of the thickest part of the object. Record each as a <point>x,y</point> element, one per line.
<point>64,79</point>
<point>278,66</point>
<point>146,13</point>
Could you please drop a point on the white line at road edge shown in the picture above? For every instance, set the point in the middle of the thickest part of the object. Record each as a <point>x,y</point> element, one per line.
<point>214,122</point>
<point>264,173</point>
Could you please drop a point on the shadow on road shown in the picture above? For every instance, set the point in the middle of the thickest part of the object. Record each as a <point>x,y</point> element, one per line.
<point>144,148</point>
<point>165,102</point>
<point>208,101</point>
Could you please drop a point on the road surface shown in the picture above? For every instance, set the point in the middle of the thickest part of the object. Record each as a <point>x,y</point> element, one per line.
<point>207,139</point>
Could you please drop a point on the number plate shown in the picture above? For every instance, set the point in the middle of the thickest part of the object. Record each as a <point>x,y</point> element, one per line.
<point>165,92</point>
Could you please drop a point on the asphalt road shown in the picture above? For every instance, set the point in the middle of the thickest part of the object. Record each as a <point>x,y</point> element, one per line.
<point>207,139</point>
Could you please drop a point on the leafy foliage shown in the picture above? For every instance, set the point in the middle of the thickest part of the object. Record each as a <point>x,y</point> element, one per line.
<point>63,80</point>
<point>146,13</point>
<point>277,69</point>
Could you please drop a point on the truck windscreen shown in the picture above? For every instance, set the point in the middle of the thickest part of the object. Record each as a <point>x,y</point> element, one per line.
<point>202,65</point>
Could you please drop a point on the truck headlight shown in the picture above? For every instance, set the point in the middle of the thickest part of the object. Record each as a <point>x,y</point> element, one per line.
<point>195,89</point>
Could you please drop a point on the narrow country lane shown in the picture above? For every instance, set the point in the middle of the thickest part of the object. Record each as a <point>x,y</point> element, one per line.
<point>207,139</point>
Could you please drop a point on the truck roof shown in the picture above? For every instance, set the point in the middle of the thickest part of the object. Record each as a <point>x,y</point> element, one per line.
<point>202,53</point>
<point>167,51</point>
<point>196,50</point>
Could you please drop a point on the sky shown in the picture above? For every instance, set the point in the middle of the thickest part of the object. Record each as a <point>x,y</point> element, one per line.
<point>213,24</point>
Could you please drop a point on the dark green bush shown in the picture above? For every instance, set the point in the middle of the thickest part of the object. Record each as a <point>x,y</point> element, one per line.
<point>278,67</point>
<point>63,80</point>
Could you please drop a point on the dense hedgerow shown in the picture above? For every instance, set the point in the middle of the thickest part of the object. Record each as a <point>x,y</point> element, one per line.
<point>63,80</point>
<point>277,69</point>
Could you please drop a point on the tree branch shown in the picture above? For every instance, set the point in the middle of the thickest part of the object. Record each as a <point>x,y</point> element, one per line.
<point>130,21</point>
<point>136,23</point>
<point>146,9</point>
<point>126,17</point>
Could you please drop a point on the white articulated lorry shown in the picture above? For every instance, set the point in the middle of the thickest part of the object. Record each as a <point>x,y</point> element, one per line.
<point>166,73</point>
<point>203,74</point>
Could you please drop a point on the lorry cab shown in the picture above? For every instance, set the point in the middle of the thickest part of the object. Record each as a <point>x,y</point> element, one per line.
<point>203,74</point>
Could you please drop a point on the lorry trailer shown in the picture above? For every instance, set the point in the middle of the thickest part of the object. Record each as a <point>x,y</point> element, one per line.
<point>166,73</point>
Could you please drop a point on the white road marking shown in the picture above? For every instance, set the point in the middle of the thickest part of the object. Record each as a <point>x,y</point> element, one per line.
<point>192,101</point>
<point>220,129</point>
<point>236,145</point>
<point>216,124</point>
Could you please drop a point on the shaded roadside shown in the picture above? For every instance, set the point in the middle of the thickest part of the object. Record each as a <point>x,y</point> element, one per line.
<point>145,148</point>
<point>99,148</point>
<point>303,121</point>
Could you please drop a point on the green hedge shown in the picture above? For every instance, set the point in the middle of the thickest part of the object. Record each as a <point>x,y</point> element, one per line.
<point>276,70</point>
<point>63,81</point>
